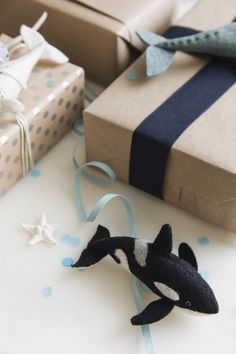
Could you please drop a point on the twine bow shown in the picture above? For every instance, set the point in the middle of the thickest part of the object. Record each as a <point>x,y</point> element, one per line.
<point>9,106</point>
<point>12,106</point>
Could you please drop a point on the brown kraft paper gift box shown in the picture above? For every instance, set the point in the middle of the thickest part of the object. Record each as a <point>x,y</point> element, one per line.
<point>200,174</point>
<point>53,100</point>
<point>97,34</point>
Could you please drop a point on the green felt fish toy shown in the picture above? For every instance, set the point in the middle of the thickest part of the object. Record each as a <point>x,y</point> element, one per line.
<point>219,42</point>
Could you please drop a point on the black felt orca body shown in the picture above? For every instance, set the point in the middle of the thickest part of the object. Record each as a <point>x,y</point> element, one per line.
<point>174,279</point>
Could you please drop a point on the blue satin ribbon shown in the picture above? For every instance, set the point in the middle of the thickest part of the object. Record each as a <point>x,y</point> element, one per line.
<point>78,127</point>
<point>92,215</point>
<point>145,328</point>
<point>103,201</point>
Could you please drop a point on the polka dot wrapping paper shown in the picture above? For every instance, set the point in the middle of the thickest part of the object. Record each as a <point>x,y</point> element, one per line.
<point>53,100</point>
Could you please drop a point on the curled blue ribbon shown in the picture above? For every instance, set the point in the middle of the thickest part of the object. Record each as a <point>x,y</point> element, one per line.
<point>103,201</point>
<point>92,215</point>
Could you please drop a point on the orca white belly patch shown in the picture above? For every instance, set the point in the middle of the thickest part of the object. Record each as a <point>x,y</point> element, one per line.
<point>141,251</point>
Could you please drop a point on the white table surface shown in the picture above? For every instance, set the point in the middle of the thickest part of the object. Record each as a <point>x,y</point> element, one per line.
<point>89,312</point>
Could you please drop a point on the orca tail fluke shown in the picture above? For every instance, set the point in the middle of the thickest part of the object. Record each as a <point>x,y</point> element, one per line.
<point>91,255</point>
<point>33,39</point>
<point>101,233</point>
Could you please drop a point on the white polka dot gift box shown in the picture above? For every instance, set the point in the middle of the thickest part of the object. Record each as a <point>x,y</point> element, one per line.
<point>167,124</point>
<point>52,101</point>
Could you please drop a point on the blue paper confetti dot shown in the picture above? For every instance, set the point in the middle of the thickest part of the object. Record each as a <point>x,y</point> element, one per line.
<point>70,240</point>
<point>67,262</point>
<point>204,241</point>
<point>50,83</point>
<point>205,274</point>
<point>47,292</point>
<point>75,241</point>
<point>234,311</point>
<point>35,173</point>
<point>65,239</point>
<point>132,76</point>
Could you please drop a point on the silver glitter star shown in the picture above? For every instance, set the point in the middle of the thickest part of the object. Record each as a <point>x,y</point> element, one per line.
<point>42,231</point>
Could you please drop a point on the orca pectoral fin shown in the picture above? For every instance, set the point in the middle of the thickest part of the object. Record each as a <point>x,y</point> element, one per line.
<point>154,312</point>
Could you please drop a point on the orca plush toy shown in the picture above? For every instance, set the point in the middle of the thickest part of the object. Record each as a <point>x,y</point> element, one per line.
<point>175,280</point>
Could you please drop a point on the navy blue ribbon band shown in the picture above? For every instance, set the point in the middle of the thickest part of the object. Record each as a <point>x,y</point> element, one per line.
<point>153,138</point>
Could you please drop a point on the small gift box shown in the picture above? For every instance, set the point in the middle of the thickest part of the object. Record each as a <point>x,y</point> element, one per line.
<point>53,100</point>
<point>99,35</point>
<point>174,135</point>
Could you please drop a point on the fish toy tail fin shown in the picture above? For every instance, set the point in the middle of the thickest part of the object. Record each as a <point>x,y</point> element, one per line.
<point>90,255</point>
<point>33,39</point>
<point>150,38</point>
<point>158,60</point>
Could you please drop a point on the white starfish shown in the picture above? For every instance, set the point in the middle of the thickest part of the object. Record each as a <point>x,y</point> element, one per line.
<point>42,231</point>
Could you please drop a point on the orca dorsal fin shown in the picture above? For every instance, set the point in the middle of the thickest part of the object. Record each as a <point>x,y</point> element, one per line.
<point>163,241</point>
<point>187,254</point>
